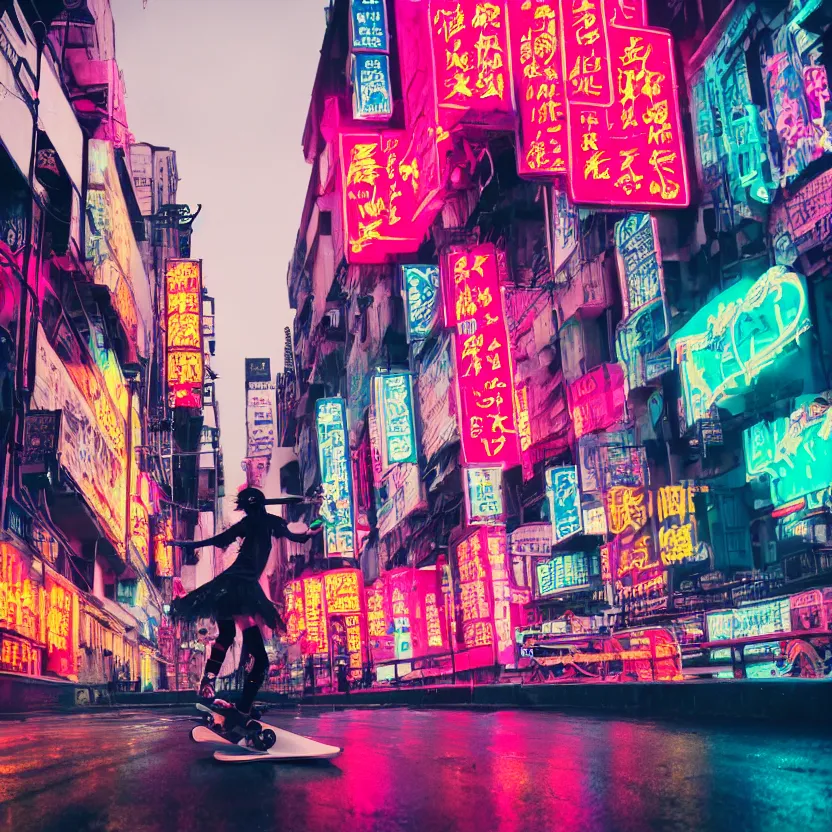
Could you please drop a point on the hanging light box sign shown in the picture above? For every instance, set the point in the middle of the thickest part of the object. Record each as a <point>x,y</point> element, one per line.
<point>372,98</point>
<point>421,296</point>
<point>564,502</point>
<point>336,477</point>
<point>484,496</point>
<point>368,26</point>
<point>394,395</point>
<point>185,358</point>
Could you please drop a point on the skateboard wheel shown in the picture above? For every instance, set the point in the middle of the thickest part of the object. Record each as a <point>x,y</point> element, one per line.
<point>264,740</point>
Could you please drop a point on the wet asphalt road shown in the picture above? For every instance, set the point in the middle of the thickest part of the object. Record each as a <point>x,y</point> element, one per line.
<point>414,770</point>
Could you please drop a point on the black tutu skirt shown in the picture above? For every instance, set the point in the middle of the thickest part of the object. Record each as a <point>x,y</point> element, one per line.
<point>224,597</point>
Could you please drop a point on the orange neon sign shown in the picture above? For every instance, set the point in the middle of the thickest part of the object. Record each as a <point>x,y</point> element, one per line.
<point>183,309</point>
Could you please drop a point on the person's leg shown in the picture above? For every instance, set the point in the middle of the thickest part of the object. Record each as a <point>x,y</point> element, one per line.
<point>253,639</point>
<point>224,640</point>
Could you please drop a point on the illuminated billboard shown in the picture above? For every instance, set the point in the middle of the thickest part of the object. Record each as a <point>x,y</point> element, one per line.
<point>336,477</point>
<point>564,501</point>
<point>183,341</point>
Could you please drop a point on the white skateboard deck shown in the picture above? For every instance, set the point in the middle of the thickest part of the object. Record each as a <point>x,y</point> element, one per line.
<point>287,747</point>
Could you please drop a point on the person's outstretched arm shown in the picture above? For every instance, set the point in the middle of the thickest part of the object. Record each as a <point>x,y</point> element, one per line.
<point>222,540</point>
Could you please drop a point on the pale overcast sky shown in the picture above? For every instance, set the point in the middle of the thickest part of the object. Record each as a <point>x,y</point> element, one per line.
<point>227,86</point>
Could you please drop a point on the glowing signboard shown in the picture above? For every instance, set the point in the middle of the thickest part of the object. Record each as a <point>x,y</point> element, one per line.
<point>766,618</point>
<point>638,344</point>
<point>474,305</point>
<point>395,408</point>
<point>501,591</point>
<point>163,554</point>
<point>421,292</point>
<point>379,187</point>
<point>475,589</point>
<point>564,502</point>
<point>627,508</point>
<point>293,611</point>
<point>140,530</point>
<point>538,79</point>
<point>314,637</point>
<point>597,400</point>
<point>368,26</point>
<point>484,495</point>
<point>639,266</point>
<point>633,554</point>
<point>336,477</point>
<point>372,97</point>
<point>343,591</point>
<point>624,140</point>
<point>677,524</point>
<point>737,336</point>
<point>471,59</point>
<point>567,572</point>
<point>794,452</point>
<point>93,434</point>
<point>61,627</point>
<point>183,310</point>
<point>20,598</point>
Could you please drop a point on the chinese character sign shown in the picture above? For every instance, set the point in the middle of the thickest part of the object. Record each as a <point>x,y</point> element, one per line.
<point>471,57</point>
<point>474,305</point>
<point>336,477</point>
<point>421,292</point>
<point>183,309</point>
<point>475,586</point>
<point>368,26</point>
<point>677,524</point>
<point>314,636</point>
<point>162,553</point>
<point>625,142</point>
<point>397,427</point>
<point>371,94</point>
<point>639,267</point>
<point>379,187</point>
<point>61,627</point>
<point>343,592</point>
<point>538,79</point>
<point>496,541</point>
<point>564,502</point>
<point>484,495</point>
<point>628,509</point>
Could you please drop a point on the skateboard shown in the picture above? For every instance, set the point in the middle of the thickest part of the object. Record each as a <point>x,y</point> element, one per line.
<point>286,747</point>
<point>254,734</point>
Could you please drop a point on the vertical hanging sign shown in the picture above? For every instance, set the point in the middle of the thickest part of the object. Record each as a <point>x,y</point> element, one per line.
<point>421,295</point>
<point>183,310</point>
<point>474,306</point>
<point>564,502</point>
<point>398,433</point>
<point>372,97</point>
<point>484,496</point>
<point>336,477</point>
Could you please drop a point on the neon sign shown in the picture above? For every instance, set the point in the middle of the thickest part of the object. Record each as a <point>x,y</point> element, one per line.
<point>737,336</point>
<point>475,579</point>
<point>767,618</point>
<point>368,25</point>
<point>794,452</point>
<point>421,292</point>
<point>484,495</point>
<point>336,477</point>
<point>20,599</point>
<point>343,593</point>
<point>398,433</point>
<point>597,400</point>
<point>474,305</point>
<point>372,97</point>
<point>313,616</point>
<point>639,267</point>
<point>677,519</point>
<point>627,508</point>
<point>470,54</point>
<point>501,590</point>
<point>564,502</point>
<point>183,309</point>
<point>380,179</point>
<point>565,572</point>
<point>61,627</point>
<point>538,78</point>
<point>163,554</point>
<point>625,142</point>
